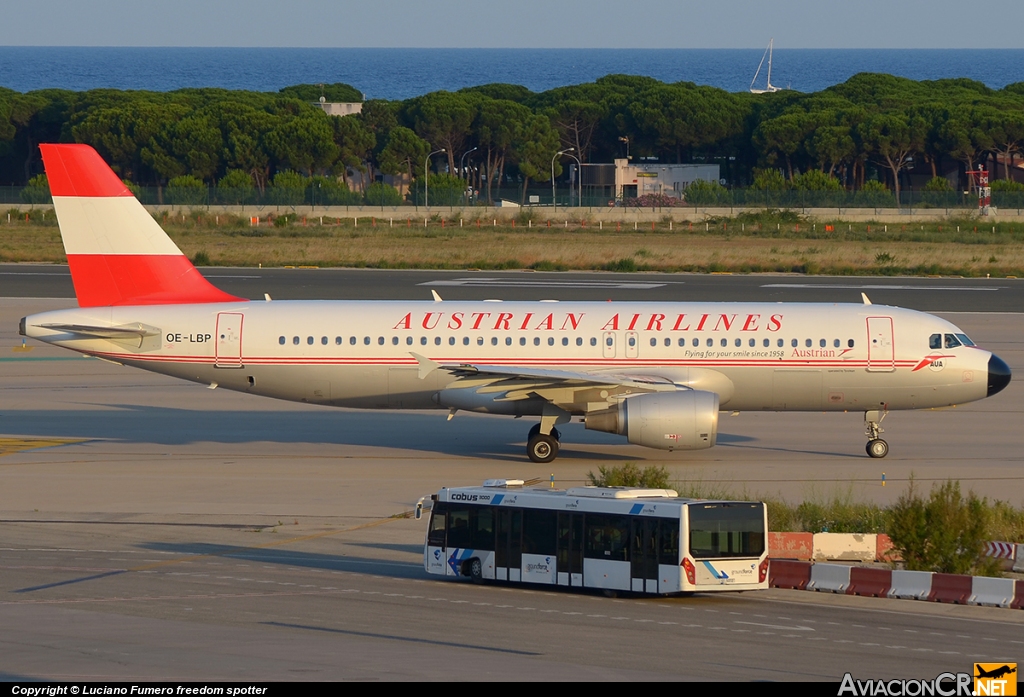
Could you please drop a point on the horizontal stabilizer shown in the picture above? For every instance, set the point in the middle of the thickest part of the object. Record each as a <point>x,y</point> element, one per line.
<point>126,331</point>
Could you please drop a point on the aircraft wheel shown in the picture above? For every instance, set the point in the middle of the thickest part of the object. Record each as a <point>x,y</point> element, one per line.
<point>542,448</point>
<point>877,448</point>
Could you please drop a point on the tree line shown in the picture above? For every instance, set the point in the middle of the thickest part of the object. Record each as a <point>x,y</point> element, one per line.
<point>867,133</point>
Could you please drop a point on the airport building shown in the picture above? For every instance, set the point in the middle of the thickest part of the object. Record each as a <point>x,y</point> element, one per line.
<point>626,179</point>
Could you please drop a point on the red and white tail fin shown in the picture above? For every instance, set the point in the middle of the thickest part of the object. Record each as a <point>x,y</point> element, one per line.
<point>117,253</point>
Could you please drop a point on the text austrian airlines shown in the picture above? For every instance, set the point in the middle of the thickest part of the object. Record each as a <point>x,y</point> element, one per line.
<point>656,373</point>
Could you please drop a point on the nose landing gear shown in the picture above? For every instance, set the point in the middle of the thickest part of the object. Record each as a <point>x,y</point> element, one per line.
<point>876,447</point>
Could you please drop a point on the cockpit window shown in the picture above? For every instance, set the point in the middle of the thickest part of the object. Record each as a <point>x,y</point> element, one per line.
<point>965,340</point>
<point>952,341</point>
<point>935,341</point>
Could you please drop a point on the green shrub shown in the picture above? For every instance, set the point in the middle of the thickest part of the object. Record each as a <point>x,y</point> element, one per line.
<point>201,258</point>
<point>37,191</point>
<point>330,191</point>
<point>875,193</point>
<point>381,194</point>
<point>236,188</point>
<point>651,477</point>
<point>288,189</point>
<point>705,193</point>
<point>945,533</point>
<point>186,190</point>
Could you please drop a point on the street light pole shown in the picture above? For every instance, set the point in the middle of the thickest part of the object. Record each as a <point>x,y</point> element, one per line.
<point>554,201</point>
<point>462,169</point>
<point>579,180</point>
<point>426,178</point>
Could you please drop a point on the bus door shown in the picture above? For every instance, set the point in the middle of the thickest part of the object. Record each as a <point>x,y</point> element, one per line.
<point>643,555</point>
<point>508,545</point>
<point>570,549</point>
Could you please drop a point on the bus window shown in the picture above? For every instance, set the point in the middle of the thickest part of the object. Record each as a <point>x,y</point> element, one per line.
<point>668,542</point>
<point>438,523</point>
<point>607,537</point>
<point>458,527</point>
<point>538,532</point>
<point>726,530</point>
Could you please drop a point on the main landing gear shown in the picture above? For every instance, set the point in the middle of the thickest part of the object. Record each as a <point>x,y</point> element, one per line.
<point>542,443</point>
<point>876,447</point>
<point>542,447</point>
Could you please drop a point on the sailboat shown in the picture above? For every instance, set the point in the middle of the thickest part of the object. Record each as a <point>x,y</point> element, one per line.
<point>770,87</point>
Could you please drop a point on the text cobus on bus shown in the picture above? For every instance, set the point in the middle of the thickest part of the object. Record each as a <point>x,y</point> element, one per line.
<point>640,540</point>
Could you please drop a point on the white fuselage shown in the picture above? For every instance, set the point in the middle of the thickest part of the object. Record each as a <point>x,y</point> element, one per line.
<point>755,356</point>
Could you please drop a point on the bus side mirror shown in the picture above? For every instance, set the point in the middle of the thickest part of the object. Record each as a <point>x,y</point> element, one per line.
<point>419,510</point>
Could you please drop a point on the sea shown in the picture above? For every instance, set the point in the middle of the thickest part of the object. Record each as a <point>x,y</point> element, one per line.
<point>408,72</point>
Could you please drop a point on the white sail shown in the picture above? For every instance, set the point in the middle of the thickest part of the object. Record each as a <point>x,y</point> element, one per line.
<point>770,87</point>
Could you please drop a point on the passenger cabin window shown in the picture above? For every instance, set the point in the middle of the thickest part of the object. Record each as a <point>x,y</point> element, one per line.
<point>394,340</point>
<point>295,340</point>
<point>352,340</point>
<point>280,340</point>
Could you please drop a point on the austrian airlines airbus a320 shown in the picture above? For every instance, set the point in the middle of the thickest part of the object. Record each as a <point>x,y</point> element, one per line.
<point>656,373</point>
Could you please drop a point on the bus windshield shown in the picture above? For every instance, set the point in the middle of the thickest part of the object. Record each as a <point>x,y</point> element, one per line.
<point>726,530</point>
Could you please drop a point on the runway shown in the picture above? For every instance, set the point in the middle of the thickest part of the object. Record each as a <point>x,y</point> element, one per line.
<point>155,529</point>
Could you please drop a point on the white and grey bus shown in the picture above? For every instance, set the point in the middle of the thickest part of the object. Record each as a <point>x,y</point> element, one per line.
<point>618,539</point>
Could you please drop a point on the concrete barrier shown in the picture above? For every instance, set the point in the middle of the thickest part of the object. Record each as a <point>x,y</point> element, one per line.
<point>789,574</point>
<point>916,585</point>
<point>884,550</point>
<point>1018,564</point>
<point>845,546</point>
<point>951,588</point>
<point>1018,597</point>
<point>992,591</point>
<point>829,578</point>
<point>874,583</point>
<point>790,545</point>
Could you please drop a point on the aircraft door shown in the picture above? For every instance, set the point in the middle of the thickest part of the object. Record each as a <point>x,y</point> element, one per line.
<point>608,345</point>
<point>632,345</point>
<point>881,349</point>
<point>229,340</point>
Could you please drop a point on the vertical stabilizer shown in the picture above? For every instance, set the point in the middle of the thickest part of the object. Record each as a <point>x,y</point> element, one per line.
<point>117,253</point>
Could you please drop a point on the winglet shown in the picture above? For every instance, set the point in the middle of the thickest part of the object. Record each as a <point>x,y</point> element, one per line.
<point>427,366</point>
<point>437,298</point>
<point>864,297</point>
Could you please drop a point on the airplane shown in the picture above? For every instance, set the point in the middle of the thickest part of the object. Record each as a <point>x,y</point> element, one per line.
<point>657,373</point>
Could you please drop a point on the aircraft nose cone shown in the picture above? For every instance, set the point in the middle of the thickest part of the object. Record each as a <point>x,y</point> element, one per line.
<point>998,374</point>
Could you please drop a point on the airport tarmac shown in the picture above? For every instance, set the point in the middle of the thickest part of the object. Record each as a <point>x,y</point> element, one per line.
<point>155,529</point>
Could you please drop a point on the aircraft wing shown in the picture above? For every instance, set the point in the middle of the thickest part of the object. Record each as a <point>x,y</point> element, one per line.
<point>562,387</point>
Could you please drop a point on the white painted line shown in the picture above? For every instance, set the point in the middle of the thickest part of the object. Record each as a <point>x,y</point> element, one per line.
<point>512,283</point>
<point>798,628</point>
<point>843,286</point>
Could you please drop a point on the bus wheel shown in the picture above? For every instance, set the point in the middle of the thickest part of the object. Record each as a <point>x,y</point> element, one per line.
<point>542,448</point>
<point>476,571</point>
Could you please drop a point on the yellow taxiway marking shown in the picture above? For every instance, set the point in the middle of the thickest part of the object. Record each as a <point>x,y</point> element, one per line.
<point>9,446</point>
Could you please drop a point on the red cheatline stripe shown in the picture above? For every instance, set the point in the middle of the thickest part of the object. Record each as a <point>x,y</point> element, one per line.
<point>78,170</point>
<point>102,280</point>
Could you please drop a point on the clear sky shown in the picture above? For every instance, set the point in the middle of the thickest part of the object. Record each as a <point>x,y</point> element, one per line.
<point>521,23</point>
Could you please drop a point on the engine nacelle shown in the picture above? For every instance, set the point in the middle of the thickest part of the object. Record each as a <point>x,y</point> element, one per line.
<point>684,420</point>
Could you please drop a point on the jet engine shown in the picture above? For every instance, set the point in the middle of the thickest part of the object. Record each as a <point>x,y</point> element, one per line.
<point>684,420</point>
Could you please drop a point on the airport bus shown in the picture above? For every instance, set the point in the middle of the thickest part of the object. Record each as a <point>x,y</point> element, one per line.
<point>610,538</point>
